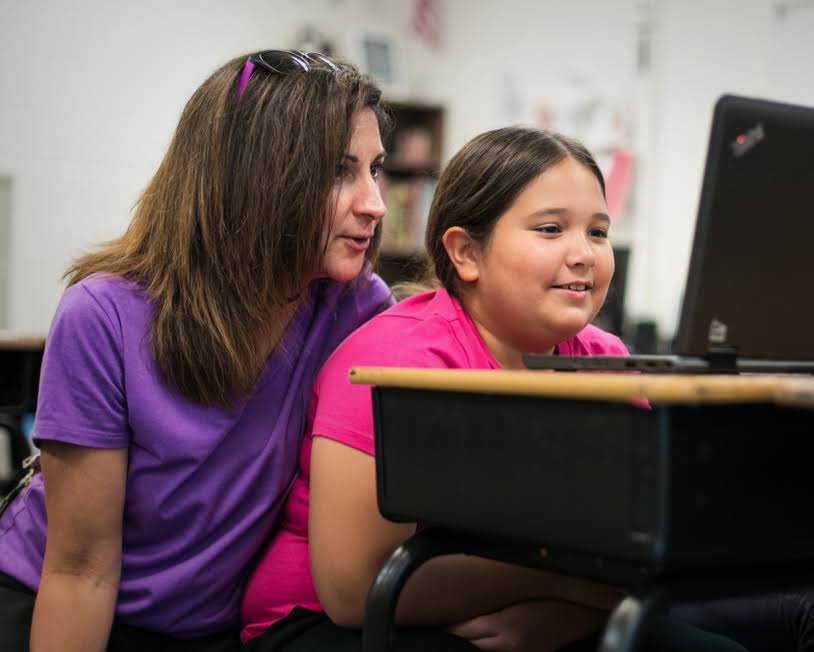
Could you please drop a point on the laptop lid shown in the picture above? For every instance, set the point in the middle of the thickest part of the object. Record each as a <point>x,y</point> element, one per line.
<point>749,283</point>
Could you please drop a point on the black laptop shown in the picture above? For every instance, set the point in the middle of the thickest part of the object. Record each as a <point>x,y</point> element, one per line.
<point>749,299</point>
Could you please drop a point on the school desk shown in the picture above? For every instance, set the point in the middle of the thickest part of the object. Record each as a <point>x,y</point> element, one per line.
<point>676,488</point>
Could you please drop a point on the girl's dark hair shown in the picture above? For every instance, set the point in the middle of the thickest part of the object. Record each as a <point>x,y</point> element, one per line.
<point>482,181</point>
<point>232,222</point>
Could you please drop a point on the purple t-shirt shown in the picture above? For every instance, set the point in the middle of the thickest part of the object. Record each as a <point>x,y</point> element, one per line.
<point>204,485</point>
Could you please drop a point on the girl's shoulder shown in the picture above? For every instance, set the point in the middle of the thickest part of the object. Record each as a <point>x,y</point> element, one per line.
<point>419,331</point>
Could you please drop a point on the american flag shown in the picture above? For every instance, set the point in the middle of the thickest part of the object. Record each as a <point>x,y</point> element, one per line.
<point>427,21</point>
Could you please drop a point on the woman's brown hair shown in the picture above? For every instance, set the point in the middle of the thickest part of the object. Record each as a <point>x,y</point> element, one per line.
<point>481,182</point>
<point>231,226</point>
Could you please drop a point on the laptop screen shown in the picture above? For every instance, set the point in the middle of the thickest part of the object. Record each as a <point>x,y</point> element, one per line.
<point>750,284</point>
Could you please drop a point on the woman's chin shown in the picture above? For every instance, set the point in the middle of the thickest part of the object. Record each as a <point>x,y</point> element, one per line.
<point>344,273</point>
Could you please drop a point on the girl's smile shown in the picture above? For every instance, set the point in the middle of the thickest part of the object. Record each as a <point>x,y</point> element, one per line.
<point>543,274</point>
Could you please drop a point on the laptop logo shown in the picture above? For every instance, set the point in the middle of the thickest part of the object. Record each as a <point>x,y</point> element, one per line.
<point>717,331</point>
<point>744,142</point>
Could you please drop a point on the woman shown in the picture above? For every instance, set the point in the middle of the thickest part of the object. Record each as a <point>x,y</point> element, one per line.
<point>179,361</point>
<point>518,240</point>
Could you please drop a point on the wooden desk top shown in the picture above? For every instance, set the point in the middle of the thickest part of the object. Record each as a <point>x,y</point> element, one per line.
<point>796,391</point>
<point>11,341</point>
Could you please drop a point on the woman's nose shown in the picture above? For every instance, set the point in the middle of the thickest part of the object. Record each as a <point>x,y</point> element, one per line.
<point>369,200</point>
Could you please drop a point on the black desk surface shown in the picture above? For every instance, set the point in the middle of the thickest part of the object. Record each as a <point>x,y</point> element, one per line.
<point>702,491</point>
<point>714,470</point>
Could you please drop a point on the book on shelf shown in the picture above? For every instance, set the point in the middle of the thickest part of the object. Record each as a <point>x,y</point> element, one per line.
<point>408,205</point>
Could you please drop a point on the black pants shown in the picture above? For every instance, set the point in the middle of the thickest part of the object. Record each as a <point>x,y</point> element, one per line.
<point>769,623</point>
<point>17,608</point>
<point>309,631</point>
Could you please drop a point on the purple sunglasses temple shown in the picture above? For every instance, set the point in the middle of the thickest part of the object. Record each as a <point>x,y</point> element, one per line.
<point>244,79</point>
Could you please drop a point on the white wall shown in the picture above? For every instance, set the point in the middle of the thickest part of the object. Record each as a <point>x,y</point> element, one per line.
<point>497,47</point>
<point>703,49</point>
<point>91,91</point>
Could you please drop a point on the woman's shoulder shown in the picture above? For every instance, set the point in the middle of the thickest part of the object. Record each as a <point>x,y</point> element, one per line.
<point>357,301</point>
<point>369,286</point>
<point>100,304</point>
<point>104,291</point>
<point>593,341</point>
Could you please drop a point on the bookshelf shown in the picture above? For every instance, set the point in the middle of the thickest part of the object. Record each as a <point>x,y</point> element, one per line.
<point>408,182</point>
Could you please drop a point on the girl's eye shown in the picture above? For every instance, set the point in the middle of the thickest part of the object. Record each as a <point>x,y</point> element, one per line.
<point>598,233</point>
<point>375,170</point>
<point>550,229</point>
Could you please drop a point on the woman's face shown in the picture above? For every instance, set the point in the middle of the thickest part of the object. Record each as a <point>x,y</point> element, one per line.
<point>544,273</point>
<point>356,202</point>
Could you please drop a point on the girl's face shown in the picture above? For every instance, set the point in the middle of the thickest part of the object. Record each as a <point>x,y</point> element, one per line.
<point>544,273</point>
<point>356,201</point>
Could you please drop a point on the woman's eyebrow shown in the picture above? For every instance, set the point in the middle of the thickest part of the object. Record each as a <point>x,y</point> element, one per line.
<point>355,159</point>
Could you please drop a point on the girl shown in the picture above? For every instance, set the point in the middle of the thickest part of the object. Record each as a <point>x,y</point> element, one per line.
<point>178,364</point>
<point>518,240</point>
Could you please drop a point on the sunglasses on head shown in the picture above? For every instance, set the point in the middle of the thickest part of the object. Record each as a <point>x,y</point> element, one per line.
<point>282,62</point>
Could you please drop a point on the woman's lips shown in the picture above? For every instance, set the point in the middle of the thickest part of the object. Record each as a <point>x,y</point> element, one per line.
<point>360,243</point>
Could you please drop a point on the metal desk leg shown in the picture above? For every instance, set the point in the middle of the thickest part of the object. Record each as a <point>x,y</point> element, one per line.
<point>627,623</point>
<point>380,609</point>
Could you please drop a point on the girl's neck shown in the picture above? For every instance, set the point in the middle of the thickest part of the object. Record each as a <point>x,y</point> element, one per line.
<point>506,354</point>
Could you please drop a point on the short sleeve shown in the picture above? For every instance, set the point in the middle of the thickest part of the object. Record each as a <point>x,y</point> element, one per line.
<point>82,396</point>
<point>344,411</point>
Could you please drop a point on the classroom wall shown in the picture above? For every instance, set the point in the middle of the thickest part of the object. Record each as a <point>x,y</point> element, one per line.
<point>702,50</point>
<point>757,48</point>
<point>91,91</point>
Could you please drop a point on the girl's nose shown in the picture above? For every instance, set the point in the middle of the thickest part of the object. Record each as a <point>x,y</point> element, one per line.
<point>580,252</point>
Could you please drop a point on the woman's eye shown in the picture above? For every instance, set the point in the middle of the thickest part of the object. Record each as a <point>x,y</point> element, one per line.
<point>598,233</point>
<point>375,170</point>
<point>548,228</point>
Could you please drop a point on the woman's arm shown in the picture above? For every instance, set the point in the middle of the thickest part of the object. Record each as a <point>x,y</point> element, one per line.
<point>350,540</point>
<point>84,496</point>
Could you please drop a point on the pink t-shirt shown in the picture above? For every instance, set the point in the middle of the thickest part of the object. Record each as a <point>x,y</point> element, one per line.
<point>427,330</point>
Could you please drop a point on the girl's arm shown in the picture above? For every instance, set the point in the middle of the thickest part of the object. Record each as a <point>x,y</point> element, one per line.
<point>350,540</point>
<point>84,497</point>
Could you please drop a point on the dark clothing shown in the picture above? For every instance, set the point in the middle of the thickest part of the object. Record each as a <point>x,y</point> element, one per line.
<point>769,623</point>
<point>17,608</point>
<point>309,631</point>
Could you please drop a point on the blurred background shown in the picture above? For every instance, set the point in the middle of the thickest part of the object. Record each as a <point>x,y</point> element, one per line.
<point>91,92</point>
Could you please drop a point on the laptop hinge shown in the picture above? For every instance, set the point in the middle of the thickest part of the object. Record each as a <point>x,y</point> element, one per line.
<point>723,359</point>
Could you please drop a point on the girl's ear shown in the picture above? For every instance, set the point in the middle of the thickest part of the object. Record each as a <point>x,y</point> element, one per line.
<point>464,252</point>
